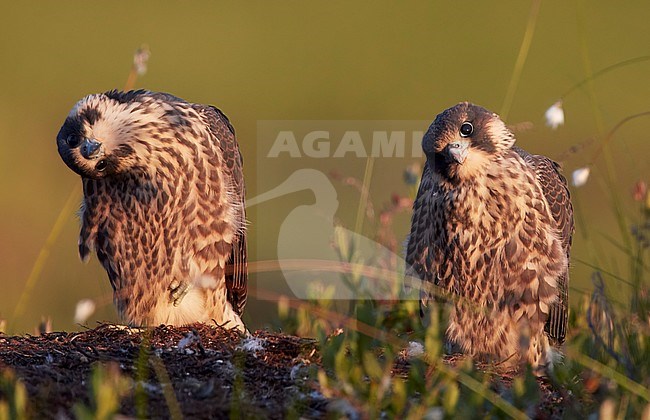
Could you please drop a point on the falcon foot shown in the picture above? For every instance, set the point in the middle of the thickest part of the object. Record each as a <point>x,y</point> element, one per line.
<point>177,291</point>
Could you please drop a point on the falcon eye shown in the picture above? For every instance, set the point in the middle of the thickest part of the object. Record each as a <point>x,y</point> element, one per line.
<point>73,140</point>
<point>101,165</point>
<point>466,129</point>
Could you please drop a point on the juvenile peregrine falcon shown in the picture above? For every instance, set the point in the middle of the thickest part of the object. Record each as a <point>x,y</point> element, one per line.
<point>492,228</point>
<point>163,205</point>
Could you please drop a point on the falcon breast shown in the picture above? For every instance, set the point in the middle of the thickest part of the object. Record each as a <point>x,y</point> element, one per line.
<point>491,233</point>
<point>163,205</point>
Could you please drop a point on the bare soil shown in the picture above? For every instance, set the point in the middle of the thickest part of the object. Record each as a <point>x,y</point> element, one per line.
<point>213,372</point>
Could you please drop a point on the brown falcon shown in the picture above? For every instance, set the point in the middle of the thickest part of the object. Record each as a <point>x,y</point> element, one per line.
<point>163,205</point>
<point>491,232</point>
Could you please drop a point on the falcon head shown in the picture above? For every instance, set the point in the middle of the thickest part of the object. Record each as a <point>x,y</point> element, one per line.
<point>463,139</point>
<point>111,133</point>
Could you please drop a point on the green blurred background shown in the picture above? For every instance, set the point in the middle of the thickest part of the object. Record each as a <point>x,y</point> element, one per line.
<point>311,61</point>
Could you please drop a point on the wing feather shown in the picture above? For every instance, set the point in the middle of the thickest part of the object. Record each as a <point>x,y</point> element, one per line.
<point>237,265</point>
<point>556,191</point>
<point>94,235</point>
<point>419,264</point>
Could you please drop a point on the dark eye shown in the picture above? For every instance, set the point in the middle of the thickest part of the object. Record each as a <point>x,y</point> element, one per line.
<point>466,129</point>
<point>73,140</point>
<point>101,165</point>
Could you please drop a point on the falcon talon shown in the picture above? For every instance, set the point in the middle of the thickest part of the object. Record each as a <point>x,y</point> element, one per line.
<point>178,292</point>
<point>175,284</point>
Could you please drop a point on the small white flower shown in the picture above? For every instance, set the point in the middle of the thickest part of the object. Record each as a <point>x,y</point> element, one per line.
<point>140,59</point>
<point>414,349</point>
<point>555,115</point>
<point>85,308</point>
<point>580,176</point>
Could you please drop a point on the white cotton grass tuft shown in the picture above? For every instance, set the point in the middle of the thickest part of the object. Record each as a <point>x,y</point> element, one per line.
<point>84,310</point>
<point>580,176</point>
<point>555,115</point>
<point>140,60</point>
<point>414,349</point>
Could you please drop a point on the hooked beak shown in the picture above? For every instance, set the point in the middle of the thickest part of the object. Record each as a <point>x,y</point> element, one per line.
<point>458,151</point>
<point>90,148</point>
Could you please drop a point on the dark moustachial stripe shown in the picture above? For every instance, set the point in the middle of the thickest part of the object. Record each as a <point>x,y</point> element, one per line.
<point>71,126</point>
<point>484,144</point>
<point>440,165</point>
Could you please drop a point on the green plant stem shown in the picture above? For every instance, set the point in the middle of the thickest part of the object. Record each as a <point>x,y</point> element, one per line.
<point>166,386</point>
<point>598,256</point>
<point>131,79</point>
<point>365,193</point>
<point>603,71</point>
<point>44,253</point>
<point>141,377</point>
<point>608,138</point>
<point>583,228</point>
<point>604,370</point>
<point>385,336</point>
<point>484,391</point>
<point>595,267</point>
<point>521,58</point>
<point>610,175</point>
